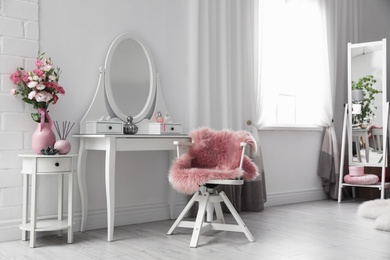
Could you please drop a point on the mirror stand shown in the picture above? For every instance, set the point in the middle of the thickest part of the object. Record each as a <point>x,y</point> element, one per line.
<point>98,119</point>
<point>128,87</point>
<point>382,185</point>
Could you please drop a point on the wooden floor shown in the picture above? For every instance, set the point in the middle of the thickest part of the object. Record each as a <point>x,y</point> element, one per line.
<point>312,231</point>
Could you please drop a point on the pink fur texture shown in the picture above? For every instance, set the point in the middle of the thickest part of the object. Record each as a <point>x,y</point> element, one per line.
<point>213,155</point>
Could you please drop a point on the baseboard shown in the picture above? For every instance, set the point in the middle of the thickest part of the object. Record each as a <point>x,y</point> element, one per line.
<point>290,197</point>
<point>9,230</point>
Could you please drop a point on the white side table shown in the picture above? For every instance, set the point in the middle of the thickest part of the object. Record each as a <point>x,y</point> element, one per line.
<point>35,165</point>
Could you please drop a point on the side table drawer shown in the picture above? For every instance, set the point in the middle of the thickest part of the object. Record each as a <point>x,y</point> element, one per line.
<point>54,164</point>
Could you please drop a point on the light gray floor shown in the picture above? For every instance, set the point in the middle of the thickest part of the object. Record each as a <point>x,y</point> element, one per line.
<point>310,231</point>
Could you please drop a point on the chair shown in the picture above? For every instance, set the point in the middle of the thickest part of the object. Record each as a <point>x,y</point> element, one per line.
<point>377,137</point>
<point>213,158</point>
<point>361,136</point>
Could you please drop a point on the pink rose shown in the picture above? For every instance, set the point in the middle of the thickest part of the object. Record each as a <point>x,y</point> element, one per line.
<point>39,63</point>
<point>25,77</point>
<point>15,77</point>
<point>38,72</point>
<point>55,98</point>
<point>61,90</point>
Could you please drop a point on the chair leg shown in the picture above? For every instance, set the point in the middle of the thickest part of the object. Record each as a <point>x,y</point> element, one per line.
<point>210,212</point>
<point>218,212</point>
<point>237,217</point>
<point>199,219</point>
<point>183,213</point>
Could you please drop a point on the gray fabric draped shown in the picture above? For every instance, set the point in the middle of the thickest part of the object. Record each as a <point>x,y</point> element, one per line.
<point>252,195</point>
<point>327,165</point>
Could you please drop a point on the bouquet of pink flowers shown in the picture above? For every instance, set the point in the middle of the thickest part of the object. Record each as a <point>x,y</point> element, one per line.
<point>38,87</point>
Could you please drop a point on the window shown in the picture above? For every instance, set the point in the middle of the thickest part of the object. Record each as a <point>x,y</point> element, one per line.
<point>294,72</point>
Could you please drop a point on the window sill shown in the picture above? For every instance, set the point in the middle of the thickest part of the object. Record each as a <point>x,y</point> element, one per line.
<point>291,128</point>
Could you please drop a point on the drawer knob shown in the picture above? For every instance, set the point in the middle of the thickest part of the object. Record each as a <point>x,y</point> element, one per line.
<point>110,127</point>
<point>57,164</point>
<point>172,128</point>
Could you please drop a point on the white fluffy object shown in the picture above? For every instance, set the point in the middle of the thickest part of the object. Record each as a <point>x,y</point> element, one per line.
<point>383,222</point>
<point>376,209</point>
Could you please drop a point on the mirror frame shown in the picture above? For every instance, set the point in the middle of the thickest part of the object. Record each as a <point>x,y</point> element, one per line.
<point>384,96</point>
<point>152,72</point>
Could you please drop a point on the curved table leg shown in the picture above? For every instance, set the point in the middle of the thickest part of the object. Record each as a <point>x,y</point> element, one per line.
<point>81,178</point>
<point>110,186</point>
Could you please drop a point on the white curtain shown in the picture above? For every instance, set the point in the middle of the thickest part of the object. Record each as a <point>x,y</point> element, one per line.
<point>222,79</point>
<point>221,63</point>
<point>341,27</point>
<point>338,20</point>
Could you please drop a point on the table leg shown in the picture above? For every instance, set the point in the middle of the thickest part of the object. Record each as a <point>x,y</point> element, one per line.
<point>33,218</point>
<point>110,186</point>
<point>81,178</point>
<point>70,205</point>
<point>60,212</point>
<point>172,192</point>
<point>25,205</point>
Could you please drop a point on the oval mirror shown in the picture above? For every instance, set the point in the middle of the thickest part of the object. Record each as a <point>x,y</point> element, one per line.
<point>129,78</point>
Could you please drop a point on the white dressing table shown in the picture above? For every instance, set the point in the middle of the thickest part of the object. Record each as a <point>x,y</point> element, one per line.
<point>112,144</point>
<point>128,86</point>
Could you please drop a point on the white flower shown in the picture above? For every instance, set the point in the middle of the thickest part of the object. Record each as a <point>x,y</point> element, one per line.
<point>47,67</point>
<point>35,77</point>
<point>43,96</point>
<point>52,78</point>
<point>32,94</point>
<point>40,86</point>
<point>32,84</point>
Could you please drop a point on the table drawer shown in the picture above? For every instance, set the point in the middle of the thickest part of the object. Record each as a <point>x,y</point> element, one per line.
<point>54,164</point>
<point>109,128</point>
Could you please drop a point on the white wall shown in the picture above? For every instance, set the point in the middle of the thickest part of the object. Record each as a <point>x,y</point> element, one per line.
<point>291,161</point>
<point>19,44</point>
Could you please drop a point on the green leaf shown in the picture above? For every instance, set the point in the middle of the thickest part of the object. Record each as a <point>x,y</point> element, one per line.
<point>36,117</point>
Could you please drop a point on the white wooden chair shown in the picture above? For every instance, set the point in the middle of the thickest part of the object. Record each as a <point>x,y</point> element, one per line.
<point>359,135</point>
<point>209,202</point>
<point>377,137</point>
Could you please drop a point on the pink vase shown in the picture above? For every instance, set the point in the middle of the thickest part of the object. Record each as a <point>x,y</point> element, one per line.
<point>63,146</point>
<point>42,138</point>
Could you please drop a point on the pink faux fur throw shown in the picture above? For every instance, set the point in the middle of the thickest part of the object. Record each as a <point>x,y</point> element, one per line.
<point>213,155</point>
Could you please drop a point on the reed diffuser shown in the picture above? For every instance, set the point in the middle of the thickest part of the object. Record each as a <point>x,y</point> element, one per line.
<point>62,145</point>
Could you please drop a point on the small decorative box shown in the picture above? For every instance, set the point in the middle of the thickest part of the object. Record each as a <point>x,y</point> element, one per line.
<point>356,170</point>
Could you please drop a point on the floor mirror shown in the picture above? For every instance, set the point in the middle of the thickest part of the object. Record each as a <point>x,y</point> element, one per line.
<point>365,129</point>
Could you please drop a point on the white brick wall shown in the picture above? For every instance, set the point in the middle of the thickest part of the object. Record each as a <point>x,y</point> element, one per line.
<point>19,45</point>
<point>22,10</point>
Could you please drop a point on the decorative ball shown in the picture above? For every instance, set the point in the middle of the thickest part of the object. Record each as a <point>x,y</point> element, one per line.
<point>63,146</point>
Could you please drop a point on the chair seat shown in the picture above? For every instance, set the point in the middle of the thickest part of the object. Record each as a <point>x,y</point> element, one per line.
<point>226,182</point>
